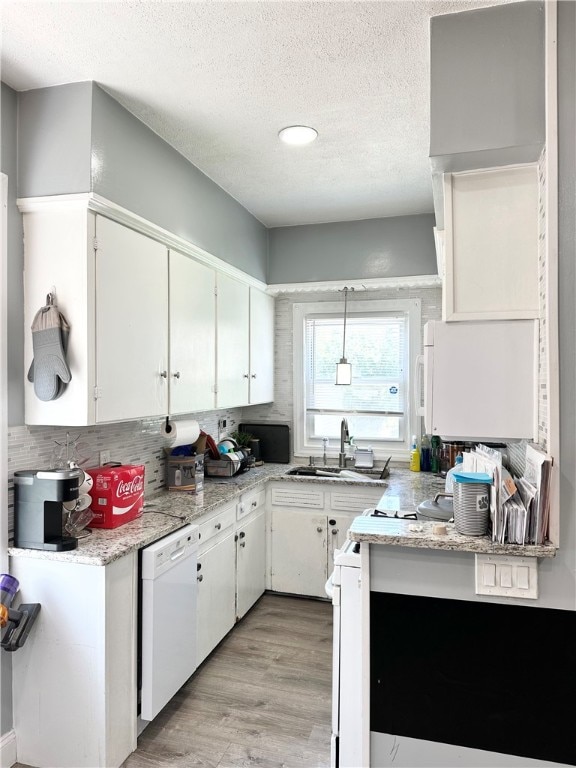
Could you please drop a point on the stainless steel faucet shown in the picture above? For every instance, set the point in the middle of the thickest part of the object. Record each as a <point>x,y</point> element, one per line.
<point>344,438</point>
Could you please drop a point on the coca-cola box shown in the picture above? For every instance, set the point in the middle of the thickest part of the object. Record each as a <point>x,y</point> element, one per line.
<point>117,494</point>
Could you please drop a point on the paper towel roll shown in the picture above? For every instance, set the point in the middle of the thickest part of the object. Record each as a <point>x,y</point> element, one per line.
<point>184,432</point>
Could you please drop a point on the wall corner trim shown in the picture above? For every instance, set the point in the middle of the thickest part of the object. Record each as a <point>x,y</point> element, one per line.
<point>98,204</point>
<point>369,284</point>
<point>8,748</point>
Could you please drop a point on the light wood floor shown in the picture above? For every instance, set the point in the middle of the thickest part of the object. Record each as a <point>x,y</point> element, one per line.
<point>262,699</point>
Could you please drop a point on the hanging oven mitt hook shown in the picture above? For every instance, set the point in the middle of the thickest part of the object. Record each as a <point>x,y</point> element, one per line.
<point>49,370</point>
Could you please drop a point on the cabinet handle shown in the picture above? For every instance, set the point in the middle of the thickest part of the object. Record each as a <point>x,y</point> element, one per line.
<point>241,535</point>
<point>198,566</point>
<point>334,531</point>
<point>245,376</point>
<point>176,375</point>
<point>319,529</point>
<point>255,503</point>
<point>200,578</point>
<point>253,375</point>
<point>218,526</point>
<point>164,374</point>
<point>242,543</point>
<point>332,522</point>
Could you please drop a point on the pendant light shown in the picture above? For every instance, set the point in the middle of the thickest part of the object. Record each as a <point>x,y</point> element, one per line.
<point>344,368</point>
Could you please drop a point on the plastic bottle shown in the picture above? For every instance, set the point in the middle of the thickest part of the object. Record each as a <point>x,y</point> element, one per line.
<point>425,454</point>
<point>450,474</point>
<point>414,456</point>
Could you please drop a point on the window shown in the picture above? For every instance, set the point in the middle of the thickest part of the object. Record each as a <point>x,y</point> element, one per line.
<point>382,338</point>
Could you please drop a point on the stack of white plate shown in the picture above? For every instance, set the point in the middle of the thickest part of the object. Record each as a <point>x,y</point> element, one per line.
<point>471,508</point>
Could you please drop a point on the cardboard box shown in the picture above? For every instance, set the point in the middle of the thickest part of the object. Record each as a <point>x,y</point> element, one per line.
<point>185,473</point>
<point>117,494</point>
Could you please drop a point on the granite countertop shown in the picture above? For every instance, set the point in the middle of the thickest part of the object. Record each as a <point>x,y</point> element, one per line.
<point>378,530</point>
<point>167,511</point>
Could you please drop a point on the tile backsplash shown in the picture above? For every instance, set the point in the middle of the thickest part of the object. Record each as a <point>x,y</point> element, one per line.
<point>135,442</point>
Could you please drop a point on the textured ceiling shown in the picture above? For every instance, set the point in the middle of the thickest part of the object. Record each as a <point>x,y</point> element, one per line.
<point>218,80</point>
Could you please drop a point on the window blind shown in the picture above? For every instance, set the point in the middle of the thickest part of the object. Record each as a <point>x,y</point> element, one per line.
<point>377,348</point>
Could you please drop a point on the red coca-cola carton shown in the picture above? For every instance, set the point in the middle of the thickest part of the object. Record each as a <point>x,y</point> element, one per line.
<point>117,494</point>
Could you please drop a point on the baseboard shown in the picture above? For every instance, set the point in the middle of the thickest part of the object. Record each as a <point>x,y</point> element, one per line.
<point>8,749</point>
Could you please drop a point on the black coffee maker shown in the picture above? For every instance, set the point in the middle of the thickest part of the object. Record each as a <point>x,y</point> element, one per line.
<point>38,497</point>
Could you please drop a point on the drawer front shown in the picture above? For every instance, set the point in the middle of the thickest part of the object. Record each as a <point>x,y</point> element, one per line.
<point>302,498</point>
<point>250,502</point>
<point>356,502</point>
<point>221,521</point>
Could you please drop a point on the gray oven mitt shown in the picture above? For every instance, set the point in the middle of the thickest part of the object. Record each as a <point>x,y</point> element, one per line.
<point>49,370</point>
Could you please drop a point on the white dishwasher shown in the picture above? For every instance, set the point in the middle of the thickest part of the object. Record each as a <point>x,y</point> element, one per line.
<point>168,615</point>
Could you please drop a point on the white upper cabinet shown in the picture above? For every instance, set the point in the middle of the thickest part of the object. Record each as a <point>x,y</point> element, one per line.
<point>149,337</point>
<point>261,347</point>
<point>131,324</point>
<point>192,370</point>
<point>232,355</point>
<point>245,344</point>
<point>491,244</point>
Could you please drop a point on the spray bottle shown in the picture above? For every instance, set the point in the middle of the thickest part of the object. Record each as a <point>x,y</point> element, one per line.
<point>414,456</point>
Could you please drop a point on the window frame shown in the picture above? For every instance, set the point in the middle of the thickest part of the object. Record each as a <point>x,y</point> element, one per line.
<point>399,450</point>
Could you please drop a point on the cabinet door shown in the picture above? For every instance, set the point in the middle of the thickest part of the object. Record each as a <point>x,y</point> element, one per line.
<point>491,239</point>
<point>261,347</point>
<point>250,563</point>
<point>299,553</point>
<point>216,595</point>
<point>337,533</point>
<point>232,359</point>
<point>131,324</point>
<point>192,335</point>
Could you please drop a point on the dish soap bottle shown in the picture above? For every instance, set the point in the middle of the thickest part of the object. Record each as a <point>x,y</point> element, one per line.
<point>414,456</point>
<point>451,472</point>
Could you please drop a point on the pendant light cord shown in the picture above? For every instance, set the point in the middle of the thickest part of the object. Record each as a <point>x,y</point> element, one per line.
<point>344,336</point>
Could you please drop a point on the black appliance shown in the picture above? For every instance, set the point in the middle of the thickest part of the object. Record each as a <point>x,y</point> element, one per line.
<point>274,440</point>
<point>38,497</point>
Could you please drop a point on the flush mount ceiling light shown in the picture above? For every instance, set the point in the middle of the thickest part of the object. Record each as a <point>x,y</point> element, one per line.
<point>297,135</point>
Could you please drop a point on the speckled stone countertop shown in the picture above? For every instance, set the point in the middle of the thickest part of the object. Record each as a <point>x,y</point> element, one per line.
<point>374,530</point>
<point>167,511</point>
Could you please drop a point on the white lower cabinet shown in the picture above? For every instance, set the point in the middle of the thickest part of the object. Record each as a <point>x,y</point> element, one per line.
<point>299,552</point>
<point>306,526</point>
<point>250,562</point>
<point>216,594</point>
<point>74,681</point>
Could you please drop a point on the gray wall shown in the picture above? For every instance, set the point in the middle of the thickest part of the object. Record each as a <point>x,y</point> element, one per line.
<point>77,138</point>
<point>54,140</point>
<point>133,167</point>
<point>400,245</point>
<point>493,60</point>
<point>15,260</point>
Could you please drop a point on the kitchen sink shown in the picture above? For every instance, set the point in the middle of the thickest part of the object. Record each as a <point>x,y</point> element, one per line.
<point>337,472</point>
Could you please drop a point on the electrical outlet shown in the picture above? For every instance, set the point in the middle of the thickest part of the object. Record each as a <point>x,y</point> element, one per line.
<point>222,423</point>
<point>104,457</point>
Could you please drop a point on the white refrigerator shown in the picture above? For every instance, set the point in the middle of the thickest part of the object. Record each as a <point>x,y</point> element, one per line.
<point>481,380</point>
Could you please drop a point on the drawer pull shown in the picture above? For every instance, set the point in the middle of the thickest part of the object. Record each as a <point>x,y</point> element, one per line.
<point>176,375</point>
<point>200,578</point>
<point>255,503</point>
<point>332,522</point>
<point>218,526</point>
<point>242,543</point>
<point>334,531</point>
<point>241,535</point>
<point>319,529</point>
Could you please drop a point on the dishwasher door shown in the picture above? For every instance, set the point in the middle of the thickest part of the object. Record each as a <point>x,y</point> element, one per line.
<point>168,617</point>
